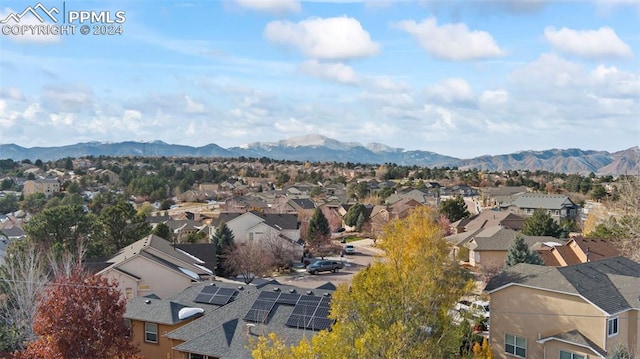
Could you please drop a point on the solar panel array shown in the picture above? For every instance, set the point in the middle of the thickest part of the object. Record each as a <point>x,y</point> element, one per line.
<point>309,312</point>
<point>215,295</point>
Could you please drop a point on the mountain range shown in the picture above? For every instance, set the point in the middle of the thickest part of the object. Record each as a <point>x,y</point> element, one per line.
<point>320,148</point>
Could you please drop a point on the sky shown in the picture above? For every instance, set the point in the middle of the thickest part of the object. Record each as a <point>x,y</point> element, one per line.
<point>460,78</point>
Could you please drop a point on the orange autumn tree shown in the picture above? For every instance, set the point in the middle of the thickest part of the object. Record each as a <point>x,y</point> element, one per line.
<point>80,316</point>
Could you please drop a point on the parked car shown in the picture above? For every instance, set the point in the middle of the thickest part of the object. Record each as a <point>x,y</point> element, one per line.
<point>324,266</point>
<point>349,249</point>
<point>463,306</point>
<point>480,309</point>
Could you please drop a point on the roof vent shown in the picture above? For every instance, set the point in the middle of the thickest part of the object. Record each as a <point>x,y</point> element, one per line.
<point>240,287</point>
<point>212,284</point>
<point>293,291</point>
<point>327,294</point>
<point>147,301</point>
<point>276,289</point>
<point>309,292</point>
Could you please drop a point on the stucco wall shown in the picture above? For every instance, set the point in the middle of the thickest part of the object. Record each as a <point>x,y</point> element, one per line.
<point>533,314</point>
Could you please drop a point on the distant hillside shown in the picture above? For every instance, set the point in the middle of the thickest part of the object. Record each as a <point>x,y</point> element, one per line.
<point>320,148</point>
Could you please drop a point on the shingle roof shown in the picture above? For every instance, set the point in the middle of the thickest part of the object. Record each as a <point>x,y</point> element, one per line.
<point>497,238</point>
<point>225,217</point>
<point>222,332</point>
<point>145,247</point>
<point>302,203</point>
<point>597,248</point>
<point>612,284</point>
<point>280,221</point>
<point>576,338</point>
<point>153,310</point>
<point>539,200</point>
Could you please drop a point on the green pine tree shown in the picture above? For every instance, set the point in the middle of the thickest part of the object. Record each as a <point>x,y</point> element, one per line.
<point>223,239</point>
<point>454,209</point>
<point>163,231</point>
<point>519,253</point>
<point>541,224</point>
<point>318,226</point>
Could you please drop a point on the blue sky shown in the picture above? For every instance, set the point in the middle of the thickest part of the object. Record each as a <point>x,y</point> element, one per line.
<point>461,78</point>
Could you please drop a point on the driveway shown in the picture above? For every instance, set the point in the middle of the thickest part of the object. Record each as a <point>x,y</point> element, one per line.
<point>364,256</point>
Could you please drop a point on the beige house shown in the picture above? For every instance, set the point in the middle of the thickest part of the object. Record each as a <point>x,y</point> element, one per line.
<point>587,310</point>
<point>154,265</point>
<point>489,247</point>
<point>48,186</point>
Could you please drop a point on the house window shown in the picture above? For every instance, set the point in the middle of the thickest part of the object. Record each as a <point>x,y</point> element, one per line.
<point>569,355</point>
<point>197,356</point>
<point>612,326</point>
<point>127,324</point>
<point>515,345</point>
<point>151,332</point>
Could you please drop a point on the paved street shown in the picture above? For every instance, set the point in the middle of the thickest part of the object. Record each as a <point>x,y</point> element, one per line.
<point>364,256</point>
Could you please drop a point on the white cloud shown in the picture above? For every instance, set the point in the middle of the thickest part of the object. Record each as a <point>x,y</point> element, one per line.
<point>601,43</point>
<point>547,72</point>
<point>451,41</point>
<point>391,99</point>
<point>67,99</point>
<point>336,38</point>
<point>131,115</point>
<point>26,30</point>
<point>451,90</point>
<point>31,111</point>
<point>293,125</point>
<point>614,82</point>
<point>333,71</point>
<point>192,106</point>
<point>494,97</point>
<point>62,119</point>
<point>271,6</point>
<point>11,93</point>
<point>385,83</point>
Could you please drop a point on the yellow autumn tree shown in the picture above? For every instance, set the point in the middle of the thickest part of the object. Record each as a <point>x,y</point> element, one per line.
<point>396,308</point>
<point>482,351</point>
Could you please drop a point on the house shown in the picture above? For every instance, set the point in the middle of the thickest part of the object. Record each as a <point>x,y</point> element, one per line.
<point>489,246</point>
<point>586,310</point>
<point>48,186</point>
<point>154,265</point>
<point>226,316</point>
<point>182,228</point>
<point>459,190</point>
<point>244,204</point>
<point>421,196</point>
<point>268,228</point>
<point>492,196</point>
<point>559,207</point>
<point>487,219</point>
<point>578,250</point>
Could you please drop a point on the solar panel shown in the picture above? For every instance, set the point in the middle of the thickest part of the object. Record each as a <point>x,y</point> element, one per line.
<point>321,312</point>
<point>319,323</point>
<point>210,289</point>
<point>288,298</point>
<point>268,296</point>
<point>297,321</point>
<point>304,309</point>
<point>226,291</point>
<point>256,316</point>
<point>203,298</point>
<point>220,299</point>
<point>310,299</point>
<point>325,302</point>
